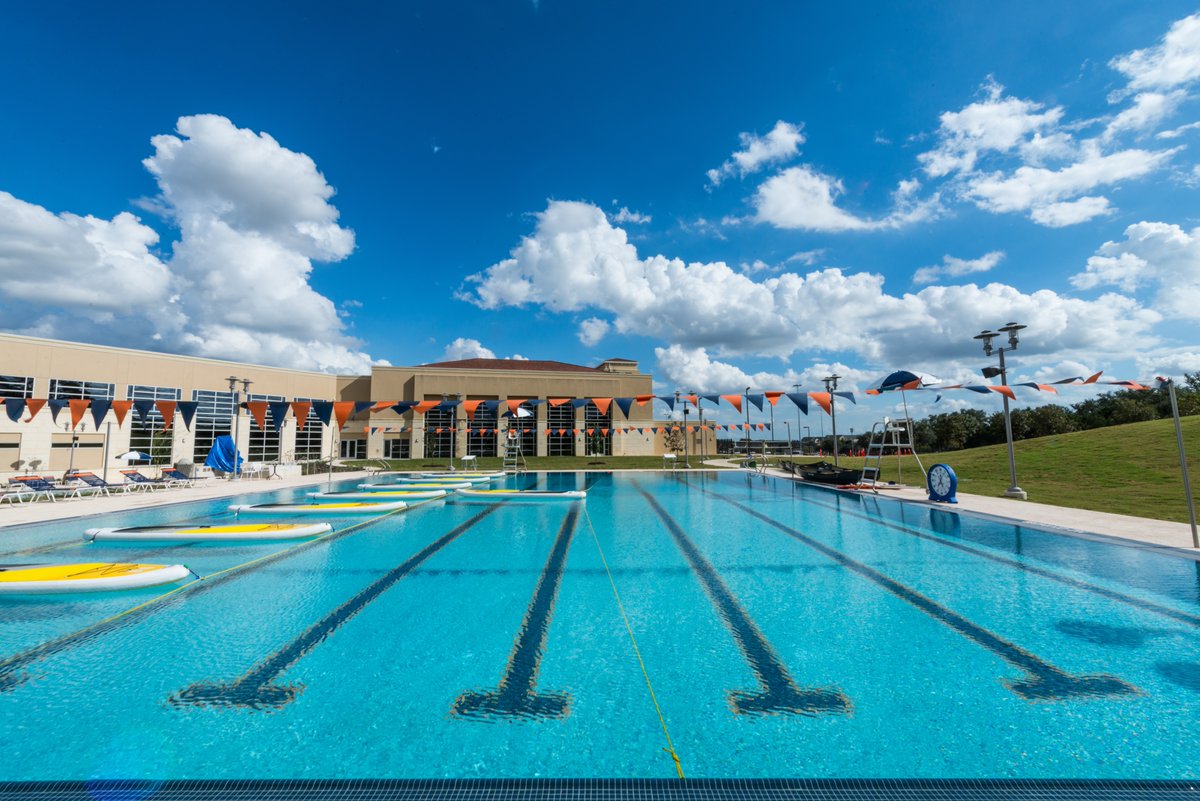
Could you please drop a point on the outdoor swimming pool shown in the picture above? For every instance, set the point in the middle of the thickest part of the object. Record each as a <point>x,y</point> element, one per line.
<point>787,631</point>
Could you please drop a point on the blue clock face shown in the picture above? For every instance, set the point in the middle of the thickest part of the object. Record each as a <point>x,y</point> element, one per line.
<point>942,483</point>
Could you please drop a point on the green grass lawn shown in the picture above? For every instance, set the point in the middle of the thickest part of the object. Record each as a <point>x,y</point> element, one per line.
<point>1131,469</point>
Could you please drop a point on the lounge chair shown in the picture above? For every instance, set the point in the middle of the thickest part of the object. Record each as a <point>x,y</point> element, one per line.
<point>97,484</point>
<point>175,477</point>
<point>43,487</point>
<point>141,482</point>
<point>18,493</point>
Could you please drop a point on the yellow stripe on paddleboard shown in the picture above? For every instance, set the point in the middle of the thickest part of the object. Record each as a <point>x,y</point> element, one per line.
<point>77,572</point>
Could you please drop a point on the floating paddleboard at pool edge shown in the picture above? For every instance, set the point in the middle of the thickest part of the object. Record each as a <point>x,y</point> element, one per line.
<point>349,508</point>
<point>228,533</point>
<point>85,577</point>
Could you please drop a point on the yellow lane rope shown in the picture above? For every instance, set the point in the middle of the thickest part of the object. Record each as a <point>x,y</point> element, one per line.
<point>670,749</point>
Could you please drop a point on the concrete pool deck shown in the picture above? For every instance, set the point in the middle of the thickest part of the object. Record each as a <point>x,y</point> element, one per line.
<point>1176,537</point>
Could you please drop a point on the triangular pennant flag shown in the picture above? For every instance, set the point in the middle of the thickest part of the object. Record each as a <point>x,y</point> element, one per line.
<point>823,400</point>
<point>324,411</point>
<point>300,411</point>
<point>167,409</point>
<point>402,407</point>
<point>342,411</point>
<point>56,405</point>
<point>1005,391</point>
<point>361,406</point>
<point>279,410</point>
<point>79,407</point>
<point>14,407</point>
<point>800,399</point>
<point>142,408</point>
<point>382,406</point>
<point>669,400</point>
<point>424,406</point>
<point>848,396</point>
<point>757,400</point>
<point>557,401</point>
<point>604,431</point>
<point>773,397</point>
<point>734,400</point>
<point>642,400</point>
<point>624,404</point>
<point>760,426</point>
<point>120,409</point>
<point>34,405</point>
<point>715,400</point>
<point>187,412</point>
<point>579,403</point>
<point>1093,379</point>
<point>258,410</point>
<point>514,404</point>
<point>100,411</point>
<point>471,406</point>
<point>982,389</point>
<point>602,404</point>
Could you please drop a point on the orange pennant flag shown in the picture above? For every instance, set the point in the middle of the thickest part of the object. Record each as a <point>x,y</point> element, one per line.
<point>167,410</point>
<point>34,406</point>
<point>382,405</point>
<point>734,400</point>
<point>1047,388</point>
<point>1095,378</point>
<point>693,399</point>
<point>602,404</point>
<point>773,397</point>
<point>1003,390</point>
<point>604,431</point>
<point>557,401</point>
<point>258,410</point>
<point>425,406</point>
<point>341,412</point>
<point>642,400</point>
<point>823,399</point>
<point>78,408</point>
<point>300,412</point>
<point>120,409</point>
<point>514,404</point>
<point>471,406</point>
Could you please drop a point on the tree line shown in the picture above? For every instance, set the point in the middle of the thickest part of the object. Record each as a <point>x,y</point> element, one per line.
<point>972,428</point>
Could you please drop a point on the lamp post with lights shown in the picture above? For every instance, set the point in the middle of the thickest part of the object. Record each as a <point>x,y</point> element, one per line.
<point>986,337</point>
<point>831,387</point>
<point>246,382</point>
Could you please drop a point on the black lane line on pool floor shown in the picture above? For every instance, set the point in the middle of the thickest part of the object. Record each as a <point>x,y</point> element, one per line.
<point>517,696</point>
<point>11,667</point>
<point>778,693</point>
<point>256,689</point>
<point>1043,681</point>
<point>1114,595</point>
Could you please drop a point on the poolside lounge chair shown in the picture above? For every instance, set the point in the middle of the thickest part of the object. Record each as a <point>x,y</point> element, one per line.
<point>175,477</point>
<point>43,487</point>
<point>139,481</point>
<point>97,484</point>
<point>18,493</point>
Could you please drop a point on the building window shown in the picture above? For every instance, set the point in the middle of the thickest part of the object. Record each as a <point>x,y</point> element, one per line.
<point>308,439</point>
<point>353,449</point>
<point>526,426</point>
<point>213,419</point>
<point>439,444</point>
<point>63,389</point>
<point>560,418</point>
<point>16,386</point>
<point>148,437</point>
<point>482,439</point>
<point>263,445</point>
<point>597,443</point>
<point>399,448</point>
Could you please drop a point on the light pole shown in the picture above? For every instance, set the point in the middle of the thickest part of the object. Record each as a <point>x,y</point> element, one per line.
<point>74,440</point>
<point>788,425</point>
<point>852,453</point>
<point>747,422</point>
<point>1187,484</point>
<point>796,388</point>
<point>807,435</point>
<point>1011,329</point>
<point>246,382</point>
<point>831,387</point>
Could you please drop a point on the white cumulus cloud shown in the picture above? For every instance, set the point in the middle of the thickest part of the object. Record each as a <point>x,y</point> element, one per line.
<point>466,348</point>
<point>1175,61</point>
<point>780,144</point>
<point>955,267</point>
<point>802,198</point>
<point>592,331</point>
<point>1161,257</point>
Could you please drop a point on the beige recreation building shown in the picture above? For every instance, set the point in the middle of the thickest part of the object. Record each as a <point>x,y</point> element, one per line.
<point>36,368</point>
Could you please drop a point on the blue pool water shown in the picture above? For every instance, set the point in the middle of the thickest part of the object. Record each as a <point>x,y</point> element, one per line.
<point>786,631</point>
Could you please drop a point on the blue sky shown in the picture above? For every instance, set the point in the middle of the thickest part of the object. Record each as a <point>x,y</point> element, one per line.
<point>732,194</point>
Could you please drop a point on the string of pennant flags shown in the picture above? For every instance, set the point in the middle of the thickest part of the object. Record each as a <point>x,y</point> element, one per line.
<point>327,412</point>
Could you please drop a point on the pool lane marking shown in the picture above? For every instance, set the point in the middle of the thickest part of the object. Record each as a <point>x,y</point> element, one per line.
<point>10,667</point>
<point>1114,595</point>
<point>778,691</point>
<point>257,690</point>
<point>1042,682</point>
<point>517,696</point>
<point>662,721</point>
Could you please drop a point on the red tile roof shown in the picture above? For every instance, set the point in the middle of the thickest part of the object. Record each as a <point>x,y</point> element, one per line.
<point>513,364</point>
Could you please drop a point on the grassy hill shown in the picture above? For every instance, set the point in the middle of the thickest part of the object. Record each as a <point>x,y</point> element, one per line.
<point>1131,469</point>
